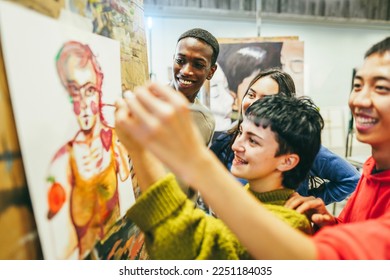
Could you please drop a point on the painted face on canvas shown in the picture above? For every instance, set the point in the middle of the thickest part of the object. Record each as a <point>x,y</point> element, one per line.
<point>192,66</point>
<point>292,59</point>
<point>82,87</point>
<point>254,152</point>
<point>370,101</point>
<point>262,87</point>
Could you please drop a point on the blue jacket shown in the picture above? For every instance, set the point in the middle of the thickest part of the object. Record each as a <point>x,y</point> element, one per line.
<point>331,178</point>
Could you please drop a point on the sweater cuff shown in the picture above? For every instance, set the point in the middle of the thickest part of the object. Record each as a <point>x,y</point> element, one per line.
<point>156,204</point>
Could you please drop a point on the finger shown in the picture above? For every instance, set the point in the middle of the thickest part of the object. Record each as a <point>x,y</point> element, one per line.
<point>309,205</point>
<point>143,119</point>
<point>291,201</point>
<point>321,220</point>
<point>153,104</point>
<point>121,113</point>
<point>295,200</point>
<point>168,94</point>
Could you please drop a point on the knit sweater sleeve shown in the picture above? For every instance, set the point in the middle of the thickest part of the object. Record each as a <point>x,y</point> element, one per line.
<point>291,217</point>
<point>174,229</point>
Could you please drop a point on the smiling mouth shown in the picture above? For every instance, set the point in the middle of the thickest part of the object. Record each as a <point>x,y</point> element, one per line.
<point>185,83</point>
<point>239,161</point>
<point>363,122</point>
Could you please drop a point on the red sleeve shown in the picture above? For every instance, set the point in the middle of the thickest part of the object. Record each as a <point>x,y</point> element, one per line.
<point>361,240</point>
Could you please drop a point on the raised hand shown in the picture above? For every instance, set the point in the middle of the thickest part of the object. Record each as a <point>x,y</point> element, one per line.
<point>159,119</point>
<point>312,207</point>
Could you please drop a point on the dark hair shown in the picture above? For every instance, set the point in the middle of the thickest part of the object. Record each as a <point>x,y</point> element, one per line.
<point>206,37</point>
<point>245,61</point>
<point>380,47</point>
<point>286,88</point>
<point>282,78</point>
<point>297,124</point>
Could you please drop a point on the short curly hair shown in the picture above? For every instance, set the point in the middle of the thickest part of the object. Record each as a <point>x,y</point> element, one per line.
<point>205,36</point>
<point>297,124</point>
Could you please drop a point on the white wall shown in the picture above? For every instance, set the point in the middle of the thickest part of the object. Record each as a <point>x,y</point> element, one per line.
<point>331,52</point>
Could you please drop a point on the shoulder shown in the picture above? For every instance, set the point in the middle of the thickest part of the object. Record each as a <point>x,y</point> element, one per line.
<point>199,109</point>
<point>221,143</point>
<point>62,152</point>
<point>327,160</point>
<point>291,217</point>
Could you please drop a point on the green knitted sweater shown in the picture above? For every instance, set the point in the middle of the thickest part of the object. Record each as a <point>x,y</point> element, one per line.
<point>175,229</point>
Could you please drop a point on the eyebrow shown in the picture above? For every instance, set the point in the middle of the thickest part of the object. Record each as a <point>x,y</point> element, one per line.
<point>255,135</point>
<point>251,133</point>
<point>73,82</point>
<point>375,78</point>
<point>195,58</point>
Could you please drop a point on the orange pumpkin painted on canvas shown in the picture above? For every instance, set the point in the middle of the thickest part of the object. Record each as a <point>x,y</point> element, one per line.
<point>56,198</point>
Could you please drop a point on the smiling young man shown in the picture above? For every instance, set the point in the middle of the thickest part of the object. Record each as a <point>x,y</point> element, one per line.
<point>194,62</point>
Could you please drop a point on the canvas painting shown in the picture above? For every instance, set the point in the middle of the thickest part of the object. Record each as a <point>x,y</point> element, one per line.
<point>63,84</point>
<point>240,60</point>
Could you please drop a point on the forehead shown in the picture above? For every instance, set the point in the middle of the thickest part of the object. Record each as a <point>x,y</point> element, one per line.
<point>195,48</point>
<point>249,126</point>
<point>374,66</point>
<point>80,73</point>
<point>266,85</point>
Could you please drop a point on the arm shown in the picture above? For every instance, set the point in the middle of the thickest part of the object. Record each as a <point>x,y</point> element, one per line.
<point>173,228</point>
<point>122,160</point>
<point>157,114</point>
<point>341,177</point>
<point>147,168</point>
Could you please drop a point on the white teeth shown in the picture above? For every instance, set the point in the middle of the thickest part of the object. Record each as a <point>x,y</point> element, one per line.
<point>365,121</point>
<point>240,160</point>
<point>185,82</point>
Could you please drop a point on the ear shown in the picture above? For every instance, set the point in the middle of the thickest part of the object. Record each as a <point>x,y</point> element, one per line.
<point>212,71</point>
<point>288,162</point>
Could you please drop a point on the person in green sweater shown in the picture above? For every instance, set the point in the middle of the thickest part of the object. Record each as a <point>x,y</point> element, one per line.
<point>276,145</point>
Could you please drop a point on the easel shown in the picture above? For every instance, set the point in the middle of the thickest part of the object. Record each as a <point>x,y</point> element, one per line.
<point>18,232</point>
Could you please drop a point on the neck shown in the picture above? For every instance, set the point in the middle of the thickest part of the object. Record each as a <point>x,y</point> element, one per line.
<point>381,156</point>
<point>89,135</point>
<point>269,183</point>
<point>190,98</point>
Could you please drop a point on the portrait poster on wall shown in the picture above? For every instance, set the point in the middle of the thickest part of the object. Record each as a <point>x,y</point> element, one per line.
<point>63,84</point>
<point>241,59</point>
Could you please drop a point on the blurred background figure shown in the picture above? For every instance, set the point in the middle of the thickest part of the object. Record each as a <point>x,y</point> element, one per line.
<point>292,60</point>
<point>221,101</point>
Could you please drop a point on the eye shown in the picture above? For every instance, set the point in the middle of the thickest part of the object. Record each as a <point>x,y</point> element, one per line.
<point>357,86</point>
<point>253,141</point>
<point>90,91</point>
<point>382,89</point>
<point>199,66</point>
<point>179,61</point>
<point>251,95</point>
<point>73,88</point>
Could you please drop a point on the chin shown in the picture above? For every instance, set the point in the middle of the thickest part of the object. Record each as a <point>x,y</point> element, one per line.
<point>236,173</point>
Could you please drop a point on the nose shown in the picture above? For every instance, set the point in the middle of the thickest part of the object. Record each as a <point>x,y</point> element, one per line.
<point>238,144</point>
<point>186,70</point>
<point>83,99</point>
<point>361,98</point>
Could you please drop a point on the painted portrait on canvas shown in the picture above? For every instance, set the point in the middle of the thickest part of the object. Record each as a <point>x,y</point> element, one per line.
<point>77,171</point>
<point>84,172</point>
<point>240,60</point>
